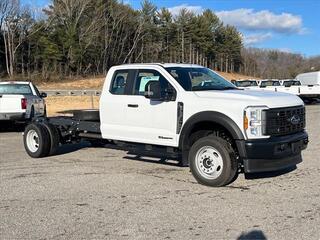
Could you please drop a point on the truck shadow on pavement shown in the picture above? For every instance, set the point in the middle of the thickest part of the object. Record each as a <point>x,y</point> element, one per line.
<point>316,102</point>
<point>155,158</point>
<point>269,174</point>
<point>253,235</point>
<point>152,159</point>
<point>142,156</point>
<point>131,155</point>
<point>136,155</point>
<point>69,148</point>
<point>11,127</point>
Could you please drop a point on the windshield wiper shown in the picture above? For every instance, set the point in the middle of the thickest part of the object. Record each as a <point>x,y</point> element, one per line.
<point>205,89</point>
<point>208,89</point>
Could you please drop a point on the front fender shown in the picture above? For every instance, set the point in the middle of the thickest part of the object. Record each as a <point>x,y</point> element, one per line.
<point>210,116</point>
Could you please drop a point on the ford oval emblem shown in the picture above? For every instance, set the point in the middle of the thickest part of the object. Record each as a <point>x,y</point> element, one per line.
<point>295,119</point>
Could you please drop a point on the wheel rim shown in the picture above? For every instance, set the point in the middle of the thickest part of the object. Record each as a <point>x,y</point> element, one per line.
<point>209,162</point>
<point>32,141</point>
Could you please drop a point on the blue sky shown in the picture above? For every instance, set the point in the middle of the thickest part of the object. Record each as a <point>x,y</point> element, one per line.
<point>288,25</point>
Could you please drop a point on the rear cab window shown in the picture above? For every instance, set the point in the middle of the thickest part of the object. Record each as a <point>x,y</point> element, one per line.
<point>291,83</point>
<point>15,89</point>
<point>270,83</point>
<point>119,82</point>
<point>246,83</point>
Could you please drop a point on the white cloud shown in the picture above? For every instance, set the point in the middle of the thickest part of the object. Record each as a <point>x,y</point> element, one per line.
<point>248,19</point>
<point>256,38</point>
<point>194,9</point>
<point>286,50</point>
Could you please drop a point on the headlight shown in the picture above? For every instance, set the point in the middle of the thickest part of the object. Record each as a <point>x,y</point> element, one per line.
<point>253,121</point>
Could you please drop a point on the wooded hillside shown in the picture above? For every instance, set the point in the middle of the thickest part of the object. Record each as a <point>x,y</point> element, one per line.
<point>81,37</point>
<point>76,38</point>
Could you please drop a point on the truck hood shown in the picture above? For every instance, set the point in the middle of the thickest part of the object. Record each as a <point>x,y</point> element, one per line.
<point>254,97</point>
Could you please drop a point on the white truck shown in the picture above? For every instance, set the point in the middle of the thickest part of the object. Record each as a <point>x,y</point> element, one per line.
<point>20,101</point>
<point>270,85</point>
<point>290,86</point>
<point>216,129</point>
<point>310,79</point>
<point>309,93</point>
<point>310,86</point>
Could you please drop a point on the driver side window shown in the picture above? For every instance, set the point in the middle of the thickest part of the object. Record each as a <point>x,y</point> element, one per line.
<point>144,76</point>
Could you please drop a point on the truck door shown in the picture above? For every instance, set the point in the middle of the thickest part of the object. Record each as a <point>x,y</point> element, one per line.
<point>113,104</point>
<point>149,121</point>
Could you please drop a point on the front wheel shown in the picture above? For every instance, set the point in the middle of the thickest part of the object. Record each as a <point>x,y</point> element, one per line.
<point>212,161</point>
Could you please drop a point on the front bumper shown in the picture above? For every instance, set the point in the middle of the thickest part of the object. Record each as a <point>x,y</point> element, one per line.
<point>12,116</point>
<point>272,154</point>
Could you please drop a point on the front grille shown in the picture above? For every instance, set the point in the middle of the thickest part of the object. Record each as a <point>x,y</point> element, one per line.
<point>283,121</point>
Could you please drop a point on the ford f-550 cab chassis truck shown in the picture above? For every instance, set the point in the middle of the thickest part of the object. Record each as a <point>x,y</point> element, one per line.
<point>184,111</point>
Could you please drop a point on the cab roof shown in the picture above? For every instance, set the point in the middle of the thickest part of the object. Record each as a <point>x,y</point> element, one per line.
<point>165,65</point>
<point>15,82</point>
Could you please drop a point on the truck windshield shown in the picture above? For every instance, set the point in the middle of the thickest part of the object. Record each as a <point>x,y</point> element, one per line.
<point>199,79</point>
<point>21,89</point>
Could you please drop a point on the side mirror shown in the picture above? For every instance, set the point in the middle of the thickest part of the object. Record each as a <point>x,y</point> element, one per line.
<point>153,91</point>
<point>43,95</point>
<point>170,94</point>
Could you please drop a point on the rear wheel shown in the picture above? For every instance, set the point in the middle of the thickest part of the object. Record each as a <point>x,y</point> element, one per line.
<point>36,140</point>
<point>212,161</point>
<point>54,138</point>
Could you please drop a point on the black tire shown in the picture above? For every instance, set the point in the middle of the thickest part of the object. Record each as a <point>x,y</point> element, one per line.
<point>183,160</point>
<point>87,115</point>
<point>229,167</point>
<point>43,140</point>
<point>54,138</point>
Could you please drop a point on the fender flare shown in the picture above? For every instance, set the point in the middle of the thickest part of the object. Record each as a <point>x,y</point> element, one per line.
<point>210,116</point>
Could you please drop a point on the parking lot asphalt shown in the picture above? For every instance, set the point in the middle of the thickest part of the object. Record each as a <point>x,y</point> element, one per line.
<point>101,193</point>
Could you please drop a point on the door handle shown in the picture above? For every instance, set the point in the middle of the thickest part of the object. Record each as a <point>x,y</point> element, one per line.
<point>133,105</point>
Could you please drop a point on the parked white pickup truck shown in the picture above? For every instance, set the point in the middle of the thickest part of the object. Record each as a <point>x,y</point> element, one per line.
<point>310,89</point>
<point>20,101</point>
<point>171,109</point>
<point>290,86</point>
<point>270,84</point>
<point>308,93</point>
